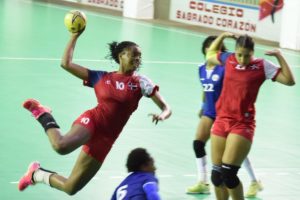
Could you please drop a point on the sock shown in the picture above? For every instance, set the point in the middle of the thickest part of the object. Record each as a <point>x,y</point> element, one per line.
<point>201,169</point>
<point>47,121</point>
<point>42,176</point>
<point>249,169</point>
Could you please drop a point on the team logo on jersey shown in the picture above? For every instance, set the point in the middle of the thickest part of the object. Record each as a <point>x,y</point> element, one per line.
<point>215,77</point>
<point>240,67</point>
<point>253,67</point>
<point>132,86</point>
<point>107,82</point>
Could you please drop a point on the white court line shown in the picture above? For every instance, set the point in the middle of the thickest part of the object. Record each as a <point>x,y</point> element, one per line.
<point>132,21</point>
<point>189,175</point>
<point>165,176</point>
<point>184,175</point>
<point>108,61</point>
<point>95,60</point>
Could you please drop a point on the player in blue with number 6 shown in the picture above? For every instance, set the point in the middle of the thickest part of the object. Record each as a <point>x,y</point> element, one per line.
<point>211,77</point>
<point>141,183</point>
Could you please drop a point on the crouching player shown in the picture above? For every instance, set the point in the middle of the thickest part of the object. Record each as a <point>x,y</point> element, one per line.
<point>141,183</point>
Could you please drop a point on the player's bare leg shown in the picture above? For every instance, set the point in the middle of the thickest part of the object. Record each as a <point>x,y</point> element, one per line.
<point>78,135</point>
<point>218,146</point>
<point>237,149</point>
<point>84,170</point>
<point>64,144</point>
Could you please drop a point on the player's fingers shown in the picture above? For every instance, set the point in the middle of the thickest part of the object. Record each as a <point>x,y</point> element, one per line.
<point>150,114</point>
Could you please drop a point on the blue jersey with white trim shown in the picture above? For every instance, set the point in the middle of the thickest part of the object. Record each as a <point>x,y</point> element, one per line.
<point>133,187</point>
<point>212,82</point>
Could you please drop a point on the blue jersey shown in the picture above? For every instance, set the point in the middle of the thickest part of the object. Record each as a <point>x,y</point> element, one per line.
<point>212,81</point>
<point>137,186</point>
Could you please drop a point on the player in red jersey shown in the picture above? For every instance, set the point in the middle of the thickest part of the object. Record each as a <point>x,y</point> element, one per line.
<point>233,129</point>
<point>118,94</point>
<point>211,78</point>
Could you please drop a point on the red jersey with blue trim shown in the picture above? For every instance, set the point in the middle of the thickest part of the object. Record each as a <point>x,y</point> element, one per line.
<point>118,96</point>
<point>241,85</point>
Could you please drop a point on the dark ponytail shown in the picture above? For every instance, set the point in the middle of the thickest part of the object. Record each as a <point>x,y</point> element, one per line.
<point>116,48</point>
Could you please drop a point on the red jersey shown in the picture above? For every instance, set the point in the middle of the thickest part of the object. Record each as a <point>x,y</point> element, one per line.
<point>118,96</point>
<point>241,85</point>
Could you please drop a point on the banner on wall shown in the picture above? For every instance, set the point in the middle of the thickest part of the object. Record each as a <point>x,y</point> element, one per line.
<point>258,18</point>
<point>110,4</point>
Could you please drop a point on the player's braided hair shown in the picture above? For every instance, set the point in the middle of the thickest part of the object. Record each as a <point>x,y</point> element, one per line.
<point>245,41</point>
<point>137,158</point>
<point>116,48</point>
<point>207,42</point>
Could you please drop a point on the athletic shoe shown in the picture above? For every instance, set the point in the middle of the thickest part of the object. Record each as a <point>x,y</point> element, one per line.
<point>27,179</point>
<point>254,188</point>
<point>199,188</point>
<point>35,108</point>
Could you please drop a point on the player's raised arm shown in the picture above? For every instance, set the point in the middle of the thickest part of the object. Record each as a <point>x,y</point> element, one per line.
<point>211,55</point>
<point>67,59</point>
<point>75,22</point>
<point>285,75</point>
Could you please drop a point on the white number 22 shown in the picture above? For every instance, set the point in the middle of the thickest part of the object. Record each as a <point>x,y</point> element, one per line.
<point>208,87</point>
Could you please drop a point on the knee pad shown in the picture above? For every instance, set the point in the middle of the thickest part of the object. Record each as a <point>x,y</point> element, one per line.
<point>216,176</point>
<point>199,148</point>
<point>229,175</point>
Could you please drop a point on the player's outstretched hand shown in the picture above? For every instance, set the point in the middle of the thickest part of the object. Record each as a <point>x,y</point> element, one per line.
<point>156,118</point>
<point>78,33</point>
<point>274,52</point>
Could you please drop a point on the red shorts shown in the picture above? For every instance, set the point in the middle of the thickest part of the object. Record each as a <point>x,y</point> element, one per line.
<point>223,126</point>
<point>99,144</point>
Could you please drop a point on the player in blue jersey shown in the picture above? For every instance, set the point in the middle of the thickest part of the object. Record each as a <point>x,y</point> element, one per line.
<point>141,183</point>
<point>211,77</point>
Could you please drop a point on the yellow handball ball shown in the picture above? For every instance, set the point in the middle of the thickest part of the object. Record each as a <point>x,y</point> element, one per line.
<point>75,21</point>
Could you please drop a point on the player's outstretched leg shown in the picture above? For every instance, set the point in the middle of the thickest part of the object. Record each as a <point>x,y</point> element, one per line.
<point>40,113</point>
<point>27,180</point>
<point>34,175</point>
<point>35,108</point>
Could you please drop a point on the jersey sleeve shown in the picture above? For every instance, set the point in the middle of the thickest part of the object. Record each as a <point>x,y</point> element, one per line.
<point>200,68</point>
<point>151,190</point>
<point>94,77</point>
<point>271,70</point>
<point>147,87</point>
<point>222,57</point>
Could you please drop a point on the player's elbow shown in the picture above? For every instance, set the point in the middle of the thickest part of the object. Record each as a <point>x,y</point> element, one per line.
<point>290,82</point>
<point>65,65</point>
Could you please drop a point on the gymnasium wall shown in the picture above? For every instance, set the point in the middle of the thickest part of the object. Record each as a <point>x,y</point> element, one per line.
<point>268,20</point>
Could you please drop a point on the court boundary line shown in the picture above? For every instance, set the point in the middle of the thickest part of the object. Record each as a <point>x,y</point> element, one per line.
<point>108,61</point>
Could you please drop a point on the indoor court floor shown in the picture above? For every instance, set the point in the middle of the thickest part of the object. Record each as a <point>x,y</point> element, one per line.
<point>32,41</point>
